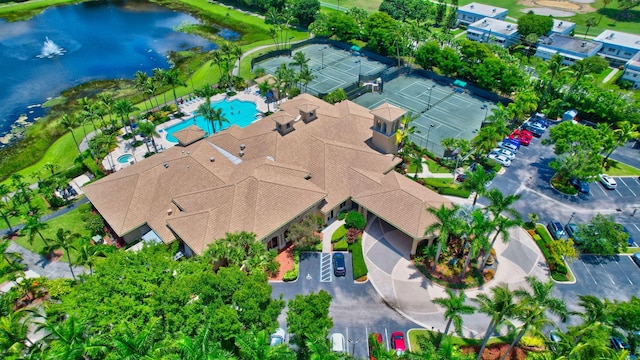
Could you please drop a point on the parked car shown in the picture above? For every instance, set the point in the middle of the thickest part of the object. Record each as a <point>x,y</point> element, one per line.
<point>338,344</point>
<point>534,130</point>
<point>509,146</point>
<point>501,159</point>
<point>339,268</point>
<point>515,142</point>
<point>636,258</point>
<point>572,232</point>
<point>537,125</point>
<point>377,338</point>
<point>608,182</point>
<point>278,337</point>
<point>618,344</point>
<point>555,229</point>
<point>630,241</point>
<point>580,185</point>
<point>523,136</point>
<point>397,343</point>
<point>508,153</point>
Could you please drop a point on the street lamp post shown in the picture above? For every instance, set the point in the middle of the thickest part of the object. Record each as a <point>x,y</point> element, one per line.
<point>571,218</point>
<point>353,345</point>
<point>429,104</point>
<point>429,133</point>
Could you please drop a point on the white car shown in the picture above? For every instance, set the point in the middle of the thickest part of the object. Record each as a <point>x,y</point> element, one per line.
<point>278,337</point>
<point>537,125</point>
<point>506,152</point>
<point>501,159</point>
<point>338,344</point>
<point>608,182</point>
<point>509,146</point>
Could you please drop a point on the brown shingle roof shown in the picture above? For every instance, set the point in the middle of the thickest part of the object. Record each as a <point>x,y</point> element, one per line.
<point>388,112</point>
<point>189,135</point>
<point>278,178</point>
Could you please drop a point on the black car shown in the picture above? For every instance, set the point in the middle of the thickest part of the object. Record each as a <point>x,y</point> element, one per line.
<point>572,232</point>
<point>339,268</point>
<point>555,228</point>
<point>580,185</point>
<point>535,131</point>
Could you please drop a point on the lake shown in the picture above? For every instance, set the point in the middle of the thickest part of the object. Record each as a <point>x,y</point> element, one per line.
<point>69,45</point>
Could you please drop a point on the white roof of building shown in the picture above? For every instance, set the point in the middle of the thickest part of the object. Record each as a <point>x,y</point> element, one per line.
<point>561,25</point>
<point>482,9</point>
<point>634,62</point>
<point>619,38</point>
<point>495,26</point>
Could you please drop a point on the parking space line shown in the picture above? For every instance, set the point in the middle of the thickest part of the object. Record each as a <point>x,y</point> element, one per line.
<point>605,271</point>
<point>386,339</point>
<point>625,275</point>
<point>625,184</point>
<point>586,268</point>
<point>602,189</point>
<point>616,190</point>
<point>325,267</point>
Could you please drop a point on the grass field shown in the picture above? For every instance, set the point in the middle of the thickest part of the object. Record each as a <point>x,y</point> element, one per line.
<point>369,5</point>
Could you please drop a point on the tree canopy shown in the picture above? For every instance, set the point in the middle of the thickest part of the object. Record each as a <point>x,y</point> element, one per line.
<point>534,24</point>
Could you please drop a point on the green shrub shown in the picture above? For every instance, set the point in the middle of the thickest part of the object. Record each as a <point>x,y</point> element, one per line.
<point>72,172</point>
<point>342,214</point>
<point>338,234</point>
<point>455,192</point>
<point>355,220</point>
<point>537,238</point>
<point>341,245</point>
<point>93,168</point>
<point>532,341</point>
<point>58,287</point>
<point>359,266</point>
<point>292,274</point>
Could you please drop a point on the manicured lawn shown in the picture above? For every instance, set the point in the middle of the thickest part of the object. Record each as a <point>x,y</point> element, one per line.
<point>359,266</point>
<point>339,234</point>
<point>369,5</point>
<point>620,169</point>
<point>24,10</point>
<point>434,335</point>
<point>445,187</point>
<point>69,221</point>
<point>435,168</point>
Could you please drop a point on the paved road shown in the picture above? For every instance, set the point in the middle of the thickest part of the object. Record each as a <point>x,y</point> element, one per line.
<point>604,277</point>
<point>356,309</point>
<point>42,266</point>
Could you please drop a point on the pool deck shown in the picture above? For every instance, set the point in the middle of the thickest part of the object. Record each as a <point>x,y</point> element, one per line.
<point>111,162</point>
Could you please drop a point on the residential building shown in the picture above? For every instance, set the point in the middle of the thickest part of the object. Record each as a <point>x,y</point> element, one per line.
<point>632,71</point>
<point>618,47</point>
<point>562,27</point>
<point>569,47</point>
<point>493,31</point>
<point>470,13</point>
<point>310,157</point>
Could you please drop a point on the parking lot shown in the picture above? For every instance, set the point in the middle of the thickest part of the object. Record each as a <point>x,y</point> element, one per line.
<point>356,309</point>
<point>627,186</point>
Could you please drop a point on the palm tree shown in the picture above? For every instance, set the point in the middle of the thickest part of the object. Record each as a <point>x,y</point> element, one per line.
<point>555,67</point>
<point>218,118</point>
<point>148,130</point>
<point>33,226</point>
<point>13,333</point>
<point>406,129</point>
<point>107,102</point>
<point>140,82</point>
<point>487,138</point>
<point>88,255</point>
<point>64,240</point>
<point>454,306</point>
<point>255,345</point>
<point>150,89</point>
<point>625,131</point>
<point>477,237</point>
<point>499,204</point>
<point>500,306</point>
<point>534,305</point>
<point>264,88</point>
<point>206,111</point>
<point>159,76</point>
<point>300,59</point>
<point>416,160</point>
<point>172,78</point>
<point>591,21</point>
<point>595,310</point>
<point>448,225</point>
<point>477,182</point>
<point>124,107</point>
<point>69,123</point>
<point>69,339</point>
<point>137,345</point>
<point>305,77</point>
<point>7,211</point>
<point>217,59</point>
<point>202,346</point>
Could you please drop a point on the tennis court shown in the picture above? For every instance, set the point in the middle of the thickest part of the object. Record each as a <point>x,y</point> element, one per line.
<point>444,111</point>
<point>332,67</point>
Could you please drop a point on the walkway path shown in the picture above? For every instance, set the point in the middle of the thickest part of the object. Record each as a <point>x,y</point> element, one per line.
<point>42,266</point>
<point>611,75</point>
<point>404,288</point>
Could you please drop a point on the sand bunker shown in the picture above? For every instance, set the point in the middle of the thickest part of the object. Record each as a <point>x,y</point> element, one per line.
<point>556,7</point>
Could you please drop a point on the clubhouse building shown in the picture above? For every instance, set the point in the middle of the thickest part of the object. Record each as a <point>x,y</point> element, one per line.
<point>310,157</point>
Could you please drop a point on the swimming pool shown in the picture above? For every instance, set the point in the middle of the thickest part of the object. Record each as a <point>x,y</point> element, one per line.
<point>241,113</point>
<point>124,159</point>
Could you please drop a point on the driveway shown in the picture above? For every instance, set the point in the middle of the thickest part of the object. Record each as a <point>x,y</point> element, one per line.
<point>356,308</point>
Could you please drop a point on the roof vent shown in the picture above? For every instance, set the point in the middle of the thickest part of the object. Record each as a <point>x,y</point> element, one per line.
<point>471,6</point>
<point>560,24</point>
<point>166,165</point>
<point>584,43</point>
<point>188,152</point>
<point>182,151</point>
<point>494,10</point>
<point>212,159</point>
<point>169,212</point>
<point>509,27</point>
<point>241,153</point>
<point>242,146</point>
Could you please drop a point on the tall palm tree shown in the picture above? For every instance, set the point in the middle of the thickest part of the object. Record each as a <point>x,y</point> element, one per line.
<point>533,307</point>
<point>124,107</point>
<point>202,346</point>
<point>22,192</point>
<point>255,345</point>
<point>34,226</point>
<point>499,204</point>
<point>14,328</point>
<point>206,111</point>
<point>148,130</point>
<point>88,254</point>
<point>488,137</point>
<point>172,78</point>
<point>300,59</point>
<point>477,182</point>
<point>69,123</point>
<point>499,306</point>
<point>264,88</point>
<point>140,80</point>
<point>554,68</point>
<point>64,240</point>
<point>595,310</point>
<point>305,77</point>
<point>454,306</point>
<point>477,236</point>
<point>402,133</point>
<point>218,118</point>
<point>150,89</point>
<point>137,345</point>
<point>217,59</point>
<point>416,160</point>
<point>448,225</point>
<point>160,78</point>
<point>107,102</point>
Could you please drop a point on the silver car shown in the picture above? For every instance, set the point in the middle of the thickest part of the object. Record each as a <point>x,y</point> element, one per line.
<point>506,152</point>
<point>608,182</point>
<point>501,159</point>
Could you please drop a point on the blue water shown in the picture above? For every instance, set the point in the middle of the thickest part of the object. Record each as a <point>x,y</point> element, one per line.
<point>241,113</point>
<point>102,40</point>
<point>124,159</point>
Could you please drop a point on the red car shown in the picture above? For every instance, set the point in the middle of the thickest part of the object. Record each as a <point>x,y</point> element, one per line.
<point>523,136</point>
<point>375,340</point>
<point>397,343</point>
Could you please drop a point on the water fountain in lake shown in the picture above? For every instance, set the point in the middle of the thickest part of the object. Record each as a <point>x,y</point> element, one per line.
<point>50,49</point>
